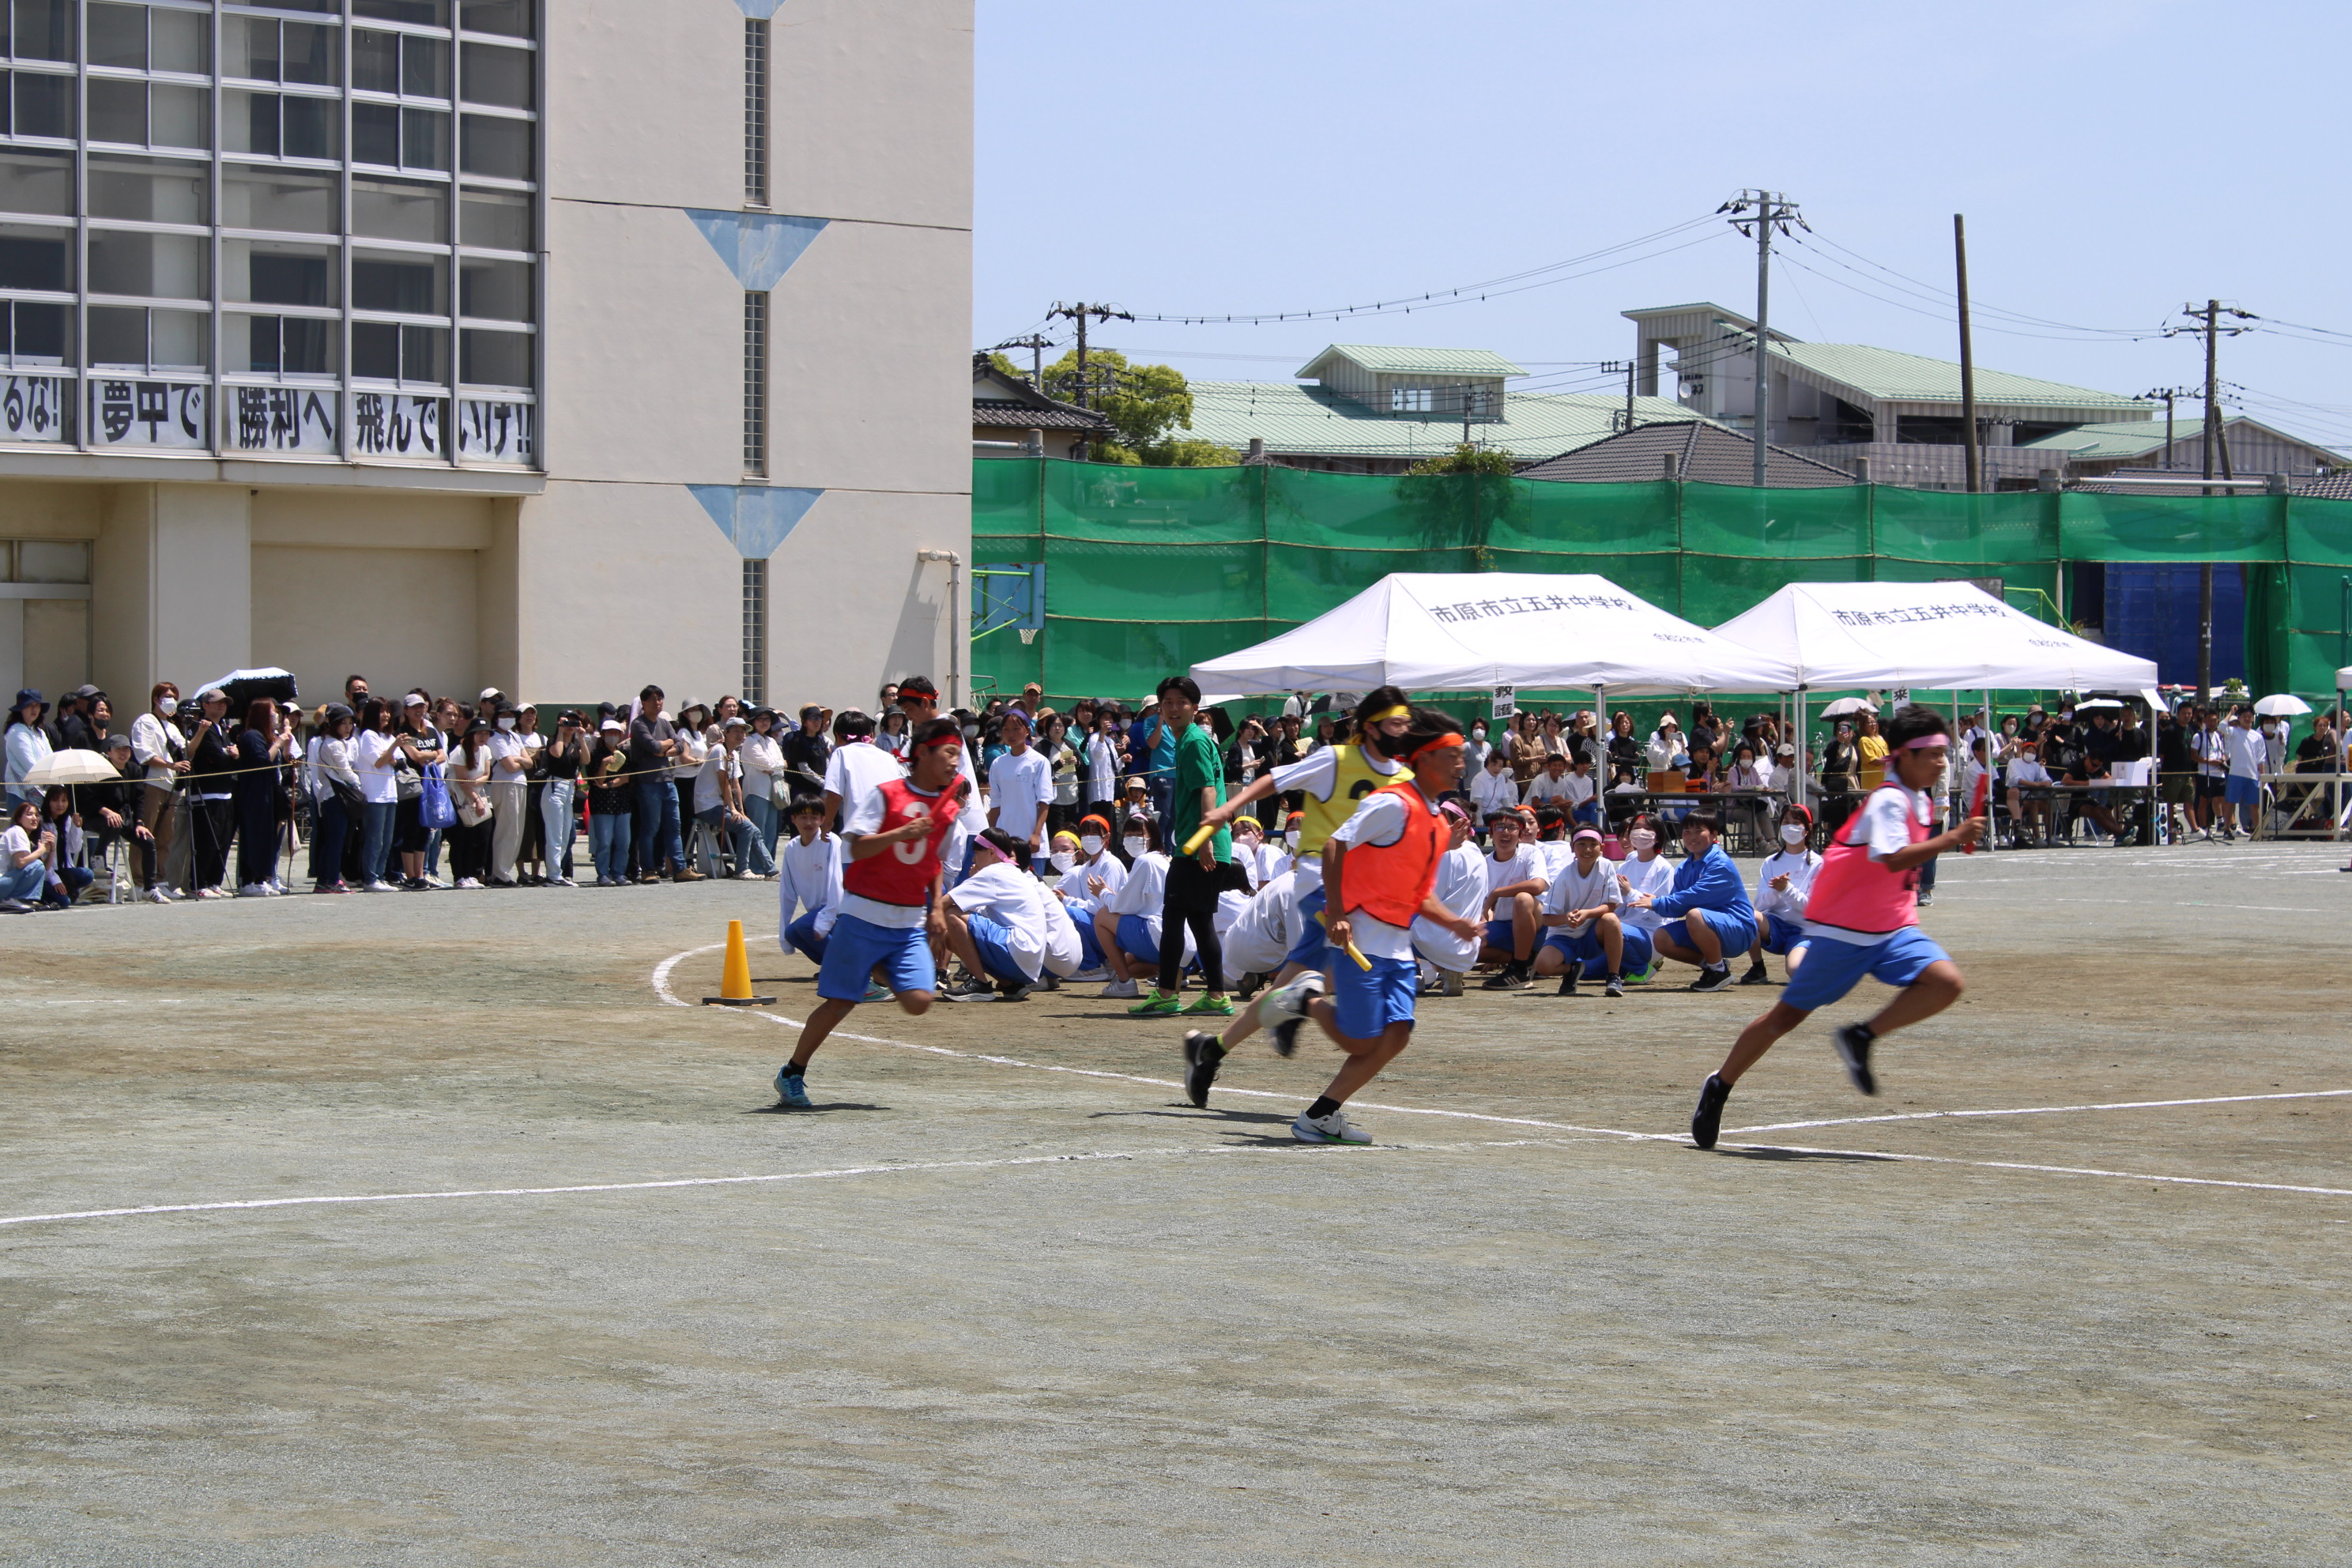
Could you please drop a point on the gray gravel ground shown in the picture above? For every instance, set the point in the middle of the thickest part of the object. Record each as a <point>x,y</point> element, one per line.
<point>1002,1314</point>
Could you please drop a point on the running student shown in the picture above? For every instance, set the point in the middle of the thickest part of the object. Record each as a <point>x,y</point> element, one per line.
<point>1863,918</point>
<point>1381,874</point>
<point>890,903</point>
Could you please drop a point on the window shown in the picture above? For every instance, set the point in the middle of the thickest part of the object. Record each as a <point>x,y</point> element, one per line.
<point>424,13</point>
<point>32,334</point>
<point>510,18</point>
<point>399,63</point>
<point>133,37</point>
<point>273,126</point>
<point>406,284</point>
<point>494,291</point>
<point>400,209</point>
<point>43,30</point>
<point>497,147</point>
<point>494,220</point>
<point>148,266</point>
<point>400,138</point>
<point>284,345</point>
<point>280,272</point>
<point>37,182</point>
<point>755,382</point>
<point>39,104</point>
<point>128,337</point>
<point>755,633</point>
<point>755,112</point>
<point>282,200</point>
<point>161,114</point>
<point>36,258</point>
<point>386,351</point>
<point>494,359</point>
<point>500,76</point>
<point>1411,400</point>
<point>149,190</point>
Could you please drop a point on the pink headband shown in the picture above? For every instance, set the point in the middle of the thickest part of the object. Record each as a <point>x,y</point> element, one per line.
<point>1924,742</point>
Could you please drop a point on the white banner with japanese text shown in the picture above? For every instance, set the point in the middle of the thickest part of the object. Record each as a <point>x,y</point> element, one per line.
<point>33,407</point>
<point>497,432</point>
<point>279,419</point>
<point>147,414</point>
<point>394,424</point>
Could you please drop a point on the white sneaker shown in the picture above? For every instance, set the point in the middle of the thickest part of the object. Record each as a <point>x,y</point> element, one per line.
<point>252,890</point>
<point>468,882</point>
<point>1333,1129</point>
<point>1120,991</point>
<point>1088,976</point>
<point>210,893</point>
<point>158,895</point>
<point>1288,1000</point>
<point>381,886</point>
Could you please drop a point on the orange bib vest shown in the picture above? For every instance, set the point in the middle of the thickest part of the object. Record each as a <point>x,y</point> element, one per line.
<point>1391,881</point>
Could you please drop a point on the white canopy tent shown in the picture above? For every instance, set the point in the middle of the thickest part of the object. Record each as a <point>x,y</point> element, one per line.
<point>1935,637</point>
<point>1473,631</point>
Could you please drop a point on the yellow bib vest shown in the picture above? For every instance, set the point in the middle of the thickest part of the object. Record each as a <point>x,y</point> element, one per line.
<point>1355,778</point>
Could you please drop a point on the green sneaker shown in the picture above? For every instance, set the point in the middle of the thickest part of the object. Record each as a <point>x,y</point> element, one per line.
<point>1214,1006</point>
<point>1156,1005</point>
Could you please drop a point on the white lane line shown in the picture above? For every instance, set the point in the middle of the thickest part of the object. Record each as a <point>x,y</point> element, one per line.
<point>2048,1170</point>
<point>846,1171</point>
<point>661,986</point>
<point>2041,1110</point>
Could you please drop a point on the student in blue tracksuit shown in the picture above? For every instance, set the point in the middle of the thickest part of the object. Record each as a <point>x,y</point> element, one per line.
<point>1707,913</point>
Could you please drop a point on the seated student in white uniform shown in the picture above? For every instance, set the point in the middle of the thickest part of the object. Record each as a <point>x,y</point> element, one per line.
<point>1444,957</point>
<point>1092,875</point>
<point>1262,933</point>
<point>1585,934</point>
<point>1517,876</point>
<point>1003,923</point>
<point>1783,883</point>
<point>1644,870</point>
<point>1492,788</point>
<point>1127,922</point>
<point>808,882</point>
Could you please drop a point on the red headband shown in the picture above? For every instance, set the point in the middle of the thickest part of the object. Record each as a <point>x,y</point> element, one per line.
<point>938,741</point>
<point>1451,738</point>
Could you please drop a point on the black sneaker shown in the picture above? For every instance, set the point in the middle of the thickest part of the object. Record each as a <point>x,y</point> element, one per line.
<point>1203,1054</point>
<point>1715,977</point>
<point>1707,1119</point>
<point>1514,977</point>
<point>1853,1043</point>
<point>1616,986</point>
<point>967,988</point>
<point>1009,992</point>
<point>1567,983</point>
<point>1757,976</point>
<point>1250,986</point>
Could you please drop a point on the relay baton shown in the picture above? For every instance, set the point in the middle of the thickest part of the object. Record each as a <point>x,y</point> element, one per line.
<point>1193,844</point>
<point>1977,805</point>
<point>1357,953</point>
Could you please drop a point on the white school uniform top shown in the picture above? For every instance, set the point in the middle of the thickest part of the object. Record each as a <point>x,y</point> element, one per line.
<point>1491,792</point>
<point>1015,901</point>
<point>1102,768</point>
<point>1575,889</point>
<point>808,877</point>
<point>1020,786</point>
<point>1143,893</point>
<point>1105,866</point>
<point>1636,876</point>
<point>1800,868</point>
<point>1461,887</point>
<point>1544,787</point>
<point>1557,856</point>
<point>1525,865</point>
<point>857,767</point>
<point>1262,933</point>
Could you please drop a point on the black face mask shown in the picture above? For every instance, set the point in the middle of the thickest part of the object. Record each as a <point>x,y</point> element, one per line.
<point>1390,745</point>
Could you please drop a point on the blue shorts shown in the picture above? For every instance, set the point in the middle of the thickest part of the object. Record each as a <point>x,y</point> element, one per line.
<point>1498,934</point>
<point>995,956</point>
<point>801,936</point>
<point>1781,934</point>
<point>1367,1001</point>
<point>1585,951</point>
<point>1312,938</point>
<point>1135,940</point>
<point>1831,969</point>
<point>2243,791</point>
<point>857,946</point>
<point>1737,932</point>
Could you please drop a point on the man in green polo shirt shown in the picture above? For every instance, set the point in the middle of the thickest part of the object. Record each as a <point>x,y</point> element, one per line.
<point>1194,880</point>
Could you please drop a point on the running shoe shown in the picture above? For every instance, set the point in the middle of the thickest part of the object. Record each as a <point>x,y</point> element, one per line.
<point>1088,977</point>
<point>1567,983</point>
<point>1707,1119</point>
<point>1451,984</point>
<point>1757,974</point>
<point>875,993</point>
<point>969,988</point>
<point>1926,898</point>
<point>1853,1044</point>
<point>1159,1005</point>
<point>1212,1007</point>
<point>1333,1129</point>
<point>158,895</point>
<point>1712,977</point>
<point>1203,1054</point>
<point>1120,991</point>
<point>1010,992</point>
<point>1513,977</point>
<point>1616,986</point>
<point>1282,1010</point>
<point>790,1089</point>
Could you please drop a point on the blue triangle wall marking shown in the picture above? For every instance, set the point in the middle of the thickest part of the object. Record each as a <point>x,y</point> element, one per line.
<point>759,10</point>
<point>758,518</point>
<point>758,247</point>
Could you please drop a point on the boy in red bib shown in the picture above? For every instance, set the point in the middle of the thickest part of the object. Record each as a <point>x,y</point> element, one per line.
<point>1379,873</point>
<point>1863,918</point>
<point>891,878</point>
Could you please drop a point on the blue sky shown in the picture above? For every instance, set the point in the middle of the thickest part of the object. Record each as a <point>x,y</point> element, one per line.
<point>1295,154</point>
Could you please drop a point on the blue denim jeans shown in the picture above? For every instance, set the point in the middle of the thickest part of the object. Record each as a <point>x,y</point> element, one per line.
<point>608,843</point>
<point>26,882</point>
<point>560,823</point>
<point>658,836</point>
<point>375,843</point>
<point>800,935</point>
<point>761,810</point>
<point>750,854</point>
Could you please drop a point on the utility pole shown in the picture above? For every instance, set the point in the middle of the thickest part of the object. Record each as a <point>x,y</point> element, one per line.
<point>1081,313</point>
<point>1967,360</point>
<point>1625,420</point>
<point>2167,393</point>
<point>1757,214</point>
<point>2207,320</point>
<point>1037,345</point>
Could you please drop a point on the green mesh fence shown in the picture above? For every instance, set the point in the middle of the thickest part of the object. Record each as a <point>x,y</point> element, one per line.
<point>1152,570</point>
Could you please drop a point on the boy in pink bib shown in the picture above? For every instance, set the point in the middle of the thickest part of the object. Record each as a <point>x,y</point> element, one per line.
<point>1863,918</point>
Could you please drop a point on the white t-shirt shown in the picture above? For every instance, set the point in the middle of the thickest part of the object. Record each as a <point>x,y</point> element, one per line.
<point>762,760</point>
<point>1380,820</point>
<point>691,749</point>
<point>1575,889</point>
<point>1800,868</point>
<point>858,767</point>
<point>1524,865</point>
<point>1019,788</point>
<point>1491,792</point>
<point>15,841</point>
<point>374,757</point>
<point>1544,787</point>
<point>1102,768</point>
<point>1015,901</point>
<point>2245,750</point>
<point>1556,855</point>
<point>717,764</point>
<point>808,877</point>
<point>1636,876</point>
<point>1461,887</point>
<point>1262,933</point>
<point>1883,827</point>
<point>1143,894</point>
<point>1105,866</point>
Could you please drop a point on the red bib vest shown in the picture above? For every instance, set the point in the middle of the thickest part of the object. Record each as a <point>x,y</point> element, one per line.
<point>902,874</point>
<point>1391,881</point>
<point>1853,893</point>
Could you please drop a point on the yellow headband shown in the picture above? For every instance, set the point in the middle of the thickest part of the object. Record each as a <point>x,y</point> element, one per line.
<point>1398,712</point>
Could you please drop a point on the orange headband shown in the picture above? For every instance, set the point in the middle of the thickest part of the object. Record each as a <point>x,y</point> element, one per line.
<point>1451,738</point>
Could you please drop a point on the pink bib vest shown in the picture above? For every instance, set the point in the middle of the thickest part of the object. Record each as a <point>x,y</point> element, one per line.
<point>1853,893</point>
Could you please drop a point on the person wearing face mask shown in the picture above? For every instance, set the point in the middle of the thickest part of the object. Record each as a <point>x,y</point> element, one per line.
<point>156,745</point>
<point>1092,875</point>
<point>1127,919</point>
<point>1474,754</point>
<point>1645,872</point>
<point>1783,883</point>
<point>1004,927</point>
<point>1281,848</point>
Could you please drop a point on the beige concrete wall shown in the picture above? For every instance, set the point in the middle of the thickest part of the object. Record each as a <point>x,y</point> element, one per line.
<point>374,520</point>
<point>873,110</point>
<point>850,608</point>
<point>646,102</point>
<point>628,583</point>
<point>170,584</point>
<point>401,617</point>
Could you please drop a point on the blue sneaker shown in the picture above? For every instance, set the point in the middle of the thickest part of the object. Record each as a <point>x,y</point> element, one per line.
<point>789,1091</point>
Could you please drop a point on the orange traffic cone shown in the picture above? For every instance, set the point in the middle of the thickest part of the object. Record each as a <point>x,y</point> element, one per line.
<point>735,981</point>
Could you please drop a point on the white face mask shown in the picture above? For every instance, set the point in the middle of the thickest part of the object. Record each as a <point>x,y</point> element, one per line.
<point>1137,845</point>
<point>168,706</point>
<point>1291,838</point>
<point>1063,860</point>
<point>1642,838</point>
<point>1092,844</point>
<point>1479,732</point>
<point>2269,729</point>
<point>506,723</point>
<point>1793,833</point>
